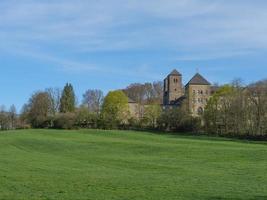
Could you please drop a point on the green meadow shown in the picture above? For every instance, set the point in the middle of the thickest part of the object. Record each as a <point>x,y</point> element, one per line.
<point>127,165</point>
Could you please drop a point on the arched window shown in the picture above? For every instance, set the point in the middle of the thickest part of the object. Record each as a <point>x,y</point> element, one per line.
<point>200,111</point>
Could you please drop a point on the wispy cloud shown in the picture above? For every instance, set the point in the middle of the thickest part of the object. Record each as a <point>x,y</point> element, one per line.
<point>195,27</point>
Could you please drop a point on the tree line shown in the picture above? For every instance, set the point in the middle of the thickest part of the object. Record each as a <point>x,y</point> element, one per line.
<point>233,110</point>
<point>58,108</point>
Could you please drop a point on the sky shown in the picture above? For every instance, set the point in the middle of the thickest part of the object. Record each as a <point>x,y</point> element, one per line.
<point>107,45</point>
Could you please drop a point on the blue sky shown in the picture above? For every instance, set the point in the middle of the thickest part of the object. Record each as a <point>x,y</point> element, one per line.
<point>110,44</point>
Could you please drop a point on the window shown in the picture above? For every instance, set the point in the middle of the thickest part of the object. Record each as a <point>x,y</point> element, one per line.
<point>200,111</point>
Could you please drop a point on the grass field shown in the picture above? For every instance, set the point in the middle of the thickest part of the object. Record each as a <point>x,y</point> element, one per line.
<point>121,165</point>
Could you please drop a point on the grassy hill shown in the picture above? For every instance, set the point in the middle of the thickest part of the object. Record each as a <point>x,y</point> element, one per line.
<point>121,165</point>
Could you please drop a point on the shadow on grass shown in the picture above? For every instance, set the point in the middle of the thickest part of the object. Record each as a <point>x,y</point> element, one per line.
<point>202,136</point>
<point>249,198</point>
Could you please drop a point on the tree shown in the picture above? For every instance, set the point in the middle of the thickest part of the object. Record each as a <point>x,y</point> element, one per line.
<point>67,100</point>
<point>135,92</point>
<point>24,117</point>
<point>39,108</point>
<point>54,95</point>
<point>86,119</point>
<point>158,90</point>
<point>65,121</point>
<point>179,119</point>
<point>115,110</point>
<point>93,99</point>
<point>257,107</point>
<point>13,116</point>
<point>227,110</point>
<point>4,121</point>
<point>217,112</point>
<point>152,114</point>
<point>148,93</point>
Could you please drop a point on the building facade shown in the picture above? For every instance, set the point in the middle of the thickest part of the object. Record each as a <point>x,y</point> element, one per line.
<point>195,93</point>
<point>173,88</point>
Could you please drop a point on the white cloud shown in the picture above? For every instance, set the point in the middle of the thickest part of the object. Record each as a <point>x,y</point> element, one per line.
<point>205,26</point>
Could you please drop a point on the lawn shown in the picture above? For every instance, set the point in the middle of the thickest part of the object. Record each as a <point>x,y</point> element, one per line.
<point>124,165</point>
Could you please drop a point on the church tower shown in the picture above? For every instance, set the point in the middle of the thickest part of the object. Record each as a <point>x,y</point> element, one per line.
<point>173,88</point>
<point>198,91</point>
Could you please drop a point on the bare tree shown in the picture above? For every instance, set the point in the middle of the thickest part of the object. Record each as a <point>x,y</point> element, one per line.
<point>136,92</point>
<point>3,118</point>
<point>257,105</point>
<point>13,116</point>
<point>54,95</point>
<point>93,99</point>
<point>158,90</point>
<point>148,93</point>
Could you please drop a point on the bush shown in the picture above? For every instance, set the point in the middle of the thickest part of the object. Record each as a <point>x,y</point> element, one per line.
<point>65,121</point>
<point>86,119</point>
<point>191,124</point>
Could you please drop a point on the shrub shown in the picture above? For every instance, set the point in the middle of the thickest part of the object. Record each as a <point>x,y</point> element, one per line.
<point>65,121</point>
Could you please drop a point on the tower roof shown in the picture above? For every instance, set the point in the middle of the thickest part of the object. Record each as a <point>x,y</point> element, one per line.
<point>175,73</point>
<point>131,100</point>
<point>198,80</point>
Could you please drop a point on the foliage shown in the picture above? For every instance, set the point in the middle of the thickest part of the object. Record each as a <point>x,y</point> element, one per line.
<point>115,110</point>
<point>151,115</point>
<point>65,121</point>
<point>39,108</point>
<point>67,101</point>
<point>238,111</point>
<point>86,119</point>
<point>233,110</point>
<point>179,119</point>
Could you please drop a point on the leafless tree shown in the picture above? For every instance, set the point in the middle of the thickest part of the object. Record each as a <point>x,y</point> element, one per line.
<point>54,96</point>
<point>93,99</point>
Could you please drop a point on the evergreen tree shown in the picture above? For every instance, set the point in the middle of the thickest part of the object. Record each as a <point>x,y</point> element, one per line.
<point>67,101</point>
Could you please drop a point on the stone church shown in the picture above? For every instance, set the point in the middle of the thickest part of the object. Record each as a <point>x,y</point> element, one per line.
<point>195,93</point>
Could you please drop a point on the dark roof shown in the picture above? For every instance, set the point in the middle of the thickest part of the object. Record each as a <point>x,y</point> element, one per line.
<point>179,101</point>
<point>175,73</point>
<point>198,80</point>
<point>176,103</point>
<point>131,101</point>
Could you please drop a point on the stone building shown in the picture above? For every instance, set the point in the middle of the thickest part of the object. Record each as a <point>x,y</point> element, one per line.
<point>134,108</point>
<point>195,93</point>
<point>173,88</point>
